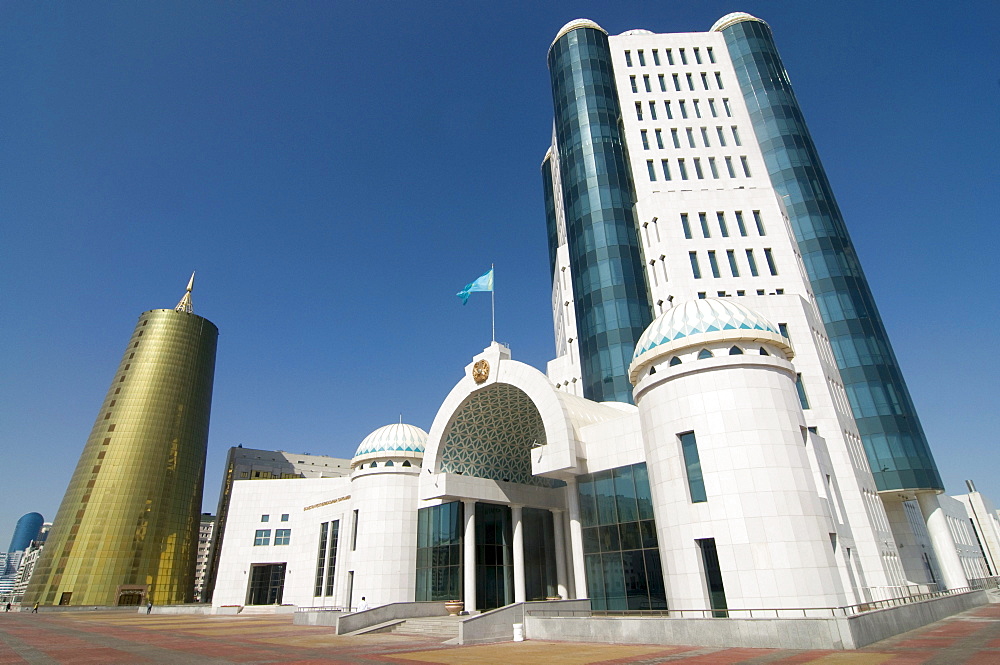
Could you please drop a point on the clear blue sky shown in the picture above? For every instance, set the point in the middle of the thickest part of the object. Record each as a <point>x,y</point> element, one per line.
<point>335,172</point>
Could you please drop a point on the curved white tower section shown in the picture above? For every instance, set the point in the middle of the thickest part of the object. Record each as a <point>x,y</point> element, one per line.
<point>739,516</point>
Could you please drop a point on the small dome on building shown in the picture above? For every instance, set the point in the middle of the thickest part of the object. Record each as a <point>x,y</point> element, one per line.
<point>395,438</point>
<point>573,25</point>
<point>733,19</point>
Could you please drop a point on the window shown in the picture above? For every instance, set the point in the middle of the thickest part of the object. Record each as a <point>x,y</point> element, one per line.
<point>689,449</point>
<point>684,58</point>
<point>406,462</point>
<point>722,137</point>
<point>656,57</point>
<point>670,57</point>
<point>704,80</point>
<point>714,263</point>
<point>652,110</point>
<point>683,169</point>
<point>651,170</point>
<point>642,58</point>
<point>739,223</point>
<point>645,140</point>
<point>645,82</point>
<point>723,227</point>
<point>712,109</point>
<point>746,166</point>
<point>690,135</point>
<point>711,55</point>
<point>764,352</point>
<point>697,108</point>
<point>733,268</point>
<point>783,329</point>
<point>759,222</point>
<point>753,265</point>
<point>282,536</point>
<point>677,82</point>
<point>628,58</point>
<point>704,137</point>
<point>770,262</point>
<point>324,531</point>
<point>663,83</point>
<point>735,351</point>
<point>701,295</point>
<point>697,55</point>
<point>695,269</point>
<point>685,225</point>
<point>704,354</point>
<point>666,106</point>
<point>729,167</point>
<point>635,86</point>
<point>690,80</point>
<point>729,111</point>
<point>718,80</point>
<point>659,139</point>
<point>697,168</point>
<point>638,110</point>
<point>262,537</point>
<point>652,370</point>
<point>244,474</point>
<point>675,361</point>
<point>703,219</point>
<point>354,531</point>
<point>715,169</point>
<point>666,169</point>
<point>684,109</point>
<point>284,517</point>
<point>265,518</point>
<point>674,137</point>
<point>801,389</point>
<point>713,577</point>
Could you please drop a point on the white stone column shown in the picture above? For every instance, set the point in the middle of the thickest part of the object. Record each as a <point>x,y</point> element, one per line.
<point>941,541</point>
<point>576,541</point>
<point>469,555</point>
<point>559,537</point>
<point>518,553</point>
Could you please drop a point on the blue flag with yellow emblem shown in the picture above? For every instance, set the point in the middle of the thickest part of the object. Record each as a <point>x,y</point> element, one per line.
<point>484,283</point>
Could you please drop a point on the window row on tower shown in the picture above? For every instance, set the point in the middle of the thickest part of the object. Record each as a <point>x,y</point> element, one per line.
<point>704,134</point>
<point>720,218</point>
<point>679,83</point>
<point>699,171</point>
<point>733,263</point>
<point>683,108</point>
<point>682,57</point>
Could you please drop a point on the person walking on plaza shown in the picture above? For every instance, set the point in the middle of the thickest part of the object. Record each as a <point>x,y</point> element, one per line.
<point>149,606</point>
<point>8,608</point>
<point>34,610</point>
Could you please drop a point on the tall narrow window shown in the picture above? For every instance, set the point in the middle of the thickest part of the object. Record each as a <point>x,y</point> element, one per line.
<point>711,55</point>
<point>690,80</point>
<point>729,111</point>
<point>703,219</point>
<point>677,82</point>
<point>684,58</point>
<point>324,530</point>
<point>645,139</point>
<point>690,135</point>
<point>697,108</point>
<point>740,224</point>
<point>704,137</point>
<point>663,82</point>
<point>695,268</point>
<point>712,109</point>
<point>676,140</point>
<point>713,577</point>
<point>759,222</point>
<point>770,262</point>
<point>697,55</point>
<point>746,166</point>
<point>642,58</point>
<point>682,168</point>
<point>666,169</point>
<point>692,463</point>
<point>628,58</point>
<point>736,135</point>
<point>718,80</point>
<point>656,57</point>
<point>652,110</point>
<point>651,170</point>
<point>645,83</point>
<point>331,557</point>
<point>686,225</point>
<point>704,80</point>
<point>638,110</point>
<point>803,400</point>
<point>729,167</point>
<point>733,268</point>
<point>714,263</point>
<point>713,167</point>
<point>697,169</point>
<point>354,532</point>
<point>666,106</point>
<point>659,139</point>
<point>635,86</point>
<point>670,57</point>
<point>753,263</point>
<point>722,137</point>
<point>783,329</point>
<point>684,109</point>
<point>723,227</point>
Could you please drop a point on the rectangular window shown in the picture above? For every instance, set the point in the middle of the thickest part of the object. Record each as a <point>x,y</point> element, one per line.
<point>718,80</point>
<point>354,531</point>
<point>703,220</point>
<point>686,225</point>
<point>656,57</point>
<point>783,329</point>
<point>759,222</point>
<point>324,530</point>
<point>659,139</point>
<point>677,82</point>
<point>803,400</point>
<point>651,170</point>
<point>770,262</point>
<point>666,169</point>
<point>714,263</point>
<point>645,139</point>
<point>729,111</point>
<point>682,168</point>
<point>690,135</point>
<point>746,166</point>
<point>684,109</point>
<point>697,108</point>
<point>635,86</point>
<point>712,109</point>
<point>638,110</point>
<point>284,517</point>
<point>729,167</point>
<point>695,268</point>
<point>739,223</point>
<point>722,137</point>
<point>713,167</point>
<point>697,55</point>
<point>733,268</point>
<point>282,536</point>
<point>262,537</point>
<point>684,58</point>
<point>673,135</point>
<point>670,57</point>
<point>331,557</point>
<point>704,80</point>
<point>713,577</point>
<point>690,80</point>
<point>645,82</point>
<point>642,58</point>
<point>692,463</point>
<point>704,137</point>
<point>663,83</point>
<point>265,518</point>
<point>723,227</point>
<point>711,55</point>
<point>753,263</point>
<point>628,58</point>
<point>670,113</point>
<point>697,168</point>
<point>652,110</point>
<point>736,135</point>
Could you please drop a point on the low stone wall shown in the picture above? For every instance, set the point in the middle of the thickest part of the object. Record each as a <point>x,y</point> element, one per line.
<point>498,625</point>
<point>800,633</point>
<point>350,622</point>
<point>180,609</point>
<point>317,617</point>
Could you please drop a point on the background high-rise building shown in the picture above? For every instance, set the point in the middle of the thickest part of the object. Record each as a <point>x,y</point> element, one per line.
<point>25,531</point>
<point>727,197</point>
<point>127,528</point>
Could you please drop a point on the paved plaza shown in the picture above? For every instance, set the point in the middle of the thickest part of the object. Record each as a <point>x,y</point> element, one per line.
<point>107,638</point>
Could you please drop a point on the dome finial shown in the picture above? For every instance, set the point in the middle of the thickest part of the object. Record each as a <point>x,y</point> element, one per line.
<point>185,304</point>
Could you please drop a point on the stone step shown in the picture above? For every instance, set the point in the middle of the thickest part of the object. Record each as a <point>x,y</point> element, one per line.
<point>442,627</point>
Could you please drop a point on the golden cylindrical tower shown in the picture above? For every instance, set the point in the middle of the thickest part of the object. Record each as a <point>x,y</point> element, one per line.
<point>127,529</point>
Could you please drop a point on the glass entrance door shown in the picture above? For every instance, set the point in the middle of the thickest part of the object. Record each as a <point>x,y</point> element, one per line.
<point>494,556</point>
<point>267,582</point>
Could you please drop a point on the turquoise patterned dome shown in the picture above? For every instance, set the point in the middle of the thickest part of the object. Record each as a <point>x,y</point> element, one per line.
<point>395,438</point>
<point>694,317</point>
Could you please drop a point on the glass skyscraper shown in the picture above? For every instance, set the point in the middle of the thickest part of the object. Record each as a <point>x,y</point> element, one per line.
<point>127,528</point>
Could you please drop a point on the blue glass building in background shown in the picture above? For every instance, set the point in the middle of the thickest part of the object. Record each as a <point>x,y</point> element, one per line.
<point>25,531</point>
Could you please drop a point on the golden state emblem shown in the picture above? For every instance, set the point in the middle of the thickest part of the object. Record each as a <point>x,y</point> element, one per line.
<point>480,371</point>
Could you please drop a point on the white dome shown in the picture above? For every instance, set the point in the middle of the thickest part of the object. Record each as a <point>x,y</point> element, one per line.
<point>573,25</point>
<point>395,438</point>
<point>733,19</point>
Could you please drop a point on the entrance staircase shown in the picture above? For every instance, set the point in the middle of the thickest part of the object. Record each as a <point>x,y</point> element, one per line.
<point>443,628</point>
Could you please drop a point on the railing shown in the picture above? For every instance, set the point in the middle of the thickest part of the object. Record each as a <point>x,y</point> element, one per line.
<point>323,608</point>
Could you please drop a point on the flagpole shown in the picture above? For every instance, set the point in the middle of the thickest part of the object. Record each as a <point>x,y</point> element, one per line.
<point>493,307</point>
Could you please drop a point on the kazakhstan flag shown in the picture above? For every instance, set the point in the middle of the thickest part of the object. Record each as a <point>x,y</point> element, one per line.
<point>484,283</point>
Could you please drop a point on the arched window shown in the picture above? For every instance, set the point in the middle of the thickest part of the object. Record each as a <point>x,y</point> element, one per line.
<point>704,353</point>
<point>735,351</point>
<point>675,361</point>
<point>652,370</point>
<point>406,462</point>
<point>764,352</point>
<point>390,463</point>
<point>373,465</point>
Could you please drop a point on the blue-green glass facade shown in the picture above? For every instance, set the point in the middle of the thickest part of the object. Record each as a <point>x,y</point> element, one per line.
<point>606,266</point>
<point>894,441</point>
<point>551,225</point>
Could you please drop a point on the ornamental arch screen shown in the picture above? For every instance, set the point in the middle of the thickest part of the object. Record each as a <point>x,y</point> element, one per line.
<point>492,434</point>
